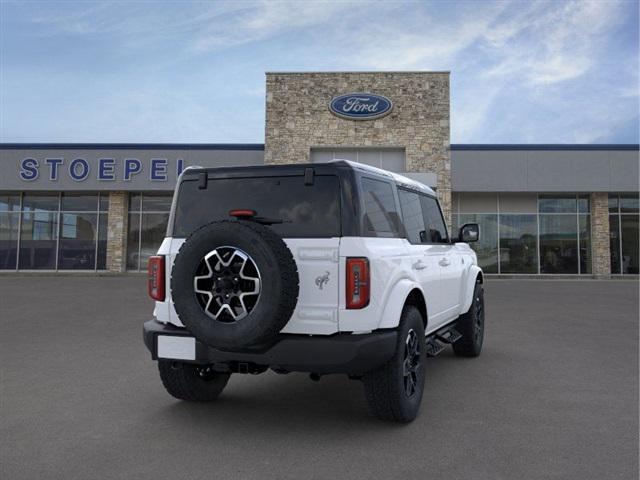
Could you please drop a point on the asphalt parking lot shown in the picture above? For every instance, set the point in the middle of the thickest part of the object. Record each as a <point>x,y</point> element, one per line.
<point>554,395</point>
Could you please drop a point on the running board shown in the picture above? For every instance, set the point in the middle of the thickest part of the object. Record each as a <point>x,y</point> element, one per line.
<point>437,341</point>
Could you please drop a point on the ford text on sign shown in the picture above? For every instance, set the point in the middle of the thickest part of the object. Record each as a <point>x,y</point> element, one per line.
<point>360,106</point>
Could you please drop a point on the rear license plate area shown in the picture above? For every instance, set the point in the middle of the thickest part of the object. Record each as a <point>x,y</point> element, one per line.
<point>176,348</point>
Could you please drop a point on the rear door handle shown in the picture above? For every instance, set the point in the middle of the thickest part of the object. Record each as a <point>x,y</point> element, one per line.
<point>419,265</point>
<point>444,262</point>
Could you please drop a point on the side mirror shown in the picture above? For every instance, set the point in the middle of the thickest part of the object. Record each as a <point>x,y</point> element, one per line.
<point>469,232</point>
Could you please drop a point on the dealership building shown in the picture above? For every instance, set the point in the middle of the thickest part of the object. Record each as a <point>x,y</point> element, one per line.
<point>542,209</point>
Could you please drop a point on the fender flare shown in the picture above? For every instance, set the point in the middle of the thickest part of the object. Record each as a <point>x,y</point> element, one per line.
<point>395,302</point>
<point>469,287</point>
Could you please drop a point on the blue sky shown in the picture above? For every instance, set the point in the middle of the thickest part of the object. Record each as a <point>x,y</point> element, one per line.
<point>521,72</point>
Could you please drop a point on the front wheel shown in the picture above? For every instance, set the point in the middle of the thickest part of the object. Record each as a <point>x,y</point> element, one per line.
<point>394,391</point>
<point>193,383</point>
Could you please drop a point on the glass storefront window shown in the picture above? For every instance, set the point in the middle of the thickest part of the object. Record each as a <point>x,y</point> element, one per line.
<point>623,233</point>
<point>584,238</point>
<point>156,202</point>
<point>629,240</point>
<point>487,247</point>
<point>558,244</point>
<point>629,204</point>
<point>9,202</point>
<point>38,240</point>
<point>53,231</point>
<point>518,244</point>
<point>133,242</point>
<point>557,204</point>
<point>77,247</point>
<point>9,222</point>
<point>80,225</point>
<point>148,218</point>
<point>614,242</point>
<point>154,228</point>
<point>583,204</point>
<point>49,202</point>
<point>79,202</point>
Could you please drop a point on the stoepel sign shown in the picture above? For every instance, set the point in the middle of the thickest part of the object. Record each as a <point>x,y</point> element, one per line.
<point>106,169</point>
<point>360,106</point>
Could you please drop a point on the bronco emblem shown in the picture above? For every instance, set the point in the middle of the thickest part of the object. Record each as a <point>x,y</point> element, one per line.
<point>322,279</point>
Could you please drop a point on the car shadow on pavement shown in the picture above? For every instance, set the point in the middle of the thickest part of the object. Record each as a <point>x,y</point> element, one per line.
<point>270,401</point>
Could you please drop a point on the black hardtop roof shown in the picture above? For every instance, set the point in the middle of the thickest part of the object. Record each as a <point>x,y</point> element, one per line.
<point>328,168</point>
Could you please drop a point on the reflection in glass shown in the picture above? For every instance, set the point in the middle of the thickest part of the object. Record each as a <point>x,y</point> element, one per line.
<point>518,244</point>
<point>40,201</point>
<point>557,204</point>
<point>630,254</point>
<point>102,241</point>
<point>558,244</point>
<point>38,240</point>
<point>104,202</point>
<point>629,203</point>
<point>8,240</point>
<point>77,247</point>
<point>156,202</point>
<point>585,243</point>
<point>583,204</point>
<point>9,202</point>
<point>613,203</point>
<point>133,242</point>
<point>487,247</point>
<point>154,228</point>
<point>79,202</point>
<point>413,220</point>
<point>135,200</point>
<point>614,242</point>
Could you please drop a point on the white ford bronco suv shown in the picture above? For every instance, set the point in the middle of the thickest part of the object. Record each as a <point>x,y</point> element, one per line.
<point>321,268</point>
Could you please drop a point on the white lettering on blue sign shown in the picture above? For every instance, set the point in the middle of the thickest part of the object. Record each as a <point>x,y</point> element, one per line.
<point>179,167</point>
<point>106,169</point>
<point>158,171</point>
<point>132,166</point>
<point>79,169</point>
<point>360,106</point>
<point>29,169</point>
<point>53,167</point>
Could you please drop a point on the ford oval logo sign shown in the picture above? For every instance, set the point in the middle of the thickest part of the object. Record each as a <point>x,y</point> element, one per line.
<point>360,106</point>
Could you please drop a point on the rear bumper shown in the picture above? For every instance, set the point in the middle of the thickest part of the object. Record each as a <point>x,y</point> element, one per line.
<point>340,353</point>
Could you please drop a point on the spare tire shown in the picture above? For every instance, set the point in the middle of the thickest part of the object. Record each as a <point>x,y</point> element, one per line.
<point>234,284</point>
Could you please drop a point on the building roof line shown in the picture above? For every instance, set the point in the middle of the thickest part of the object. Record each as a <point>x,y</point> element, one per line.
<point>260,146</point>
<point>544,146</point>
<point>285,72</point>
<point>132,146</point>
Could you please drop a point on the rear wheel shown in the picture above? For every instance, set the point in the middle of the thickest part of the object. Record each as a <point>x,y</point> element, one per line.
<point>471,327</point>
<point>394,391</point>
<point>194,383</point>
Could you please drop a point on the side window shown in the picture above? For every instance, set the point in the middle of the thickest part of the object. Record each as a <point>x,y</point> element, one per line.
<point>380,214</point>
<point>412,216</point>
<point>436,229</point>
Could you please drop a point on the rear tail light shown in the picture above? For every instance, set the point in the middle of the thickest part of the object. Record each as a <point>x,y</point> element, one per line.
<point>155,281</point>
<point>358,282</point>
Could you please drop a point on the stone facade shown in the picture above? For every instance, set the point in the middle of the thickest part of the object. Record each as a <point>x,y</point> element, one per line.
<point>600,247</point>
<point>117,231</point>
<point>298,119</point>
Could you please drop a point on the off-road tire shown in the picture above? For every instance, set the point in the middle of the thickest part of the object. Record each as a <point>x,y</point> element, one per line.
<point>278,277</point>
<point>385,387</point>
<point>471,326</point>
<point>192,383</point>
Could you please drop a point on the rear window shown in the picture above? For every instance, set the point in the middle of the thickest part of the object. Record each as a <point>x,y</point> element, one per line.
<point>306,210</point>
